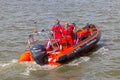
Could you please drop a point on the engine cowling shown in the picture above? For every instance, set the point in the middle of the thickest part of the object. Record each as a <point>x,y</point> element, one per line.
<point>39,54</point>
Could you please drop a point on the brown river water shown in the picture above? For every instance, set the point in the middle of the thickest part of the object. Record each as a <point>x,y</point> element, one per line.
<point>17,21</point>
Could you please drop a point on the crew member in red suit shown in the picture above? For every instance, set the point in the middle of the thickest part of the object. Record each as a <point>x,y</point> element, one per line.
<point>56,30</point>
<point>74,33</point>
<point>67,34</point>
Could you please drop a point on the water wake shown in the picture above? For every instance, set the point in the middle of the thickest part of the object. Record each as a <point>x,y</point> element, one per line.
<point>80,60</point>
<point>32,66</point>
<point>4,64</point>
<point>27,67</point>
<point>102,50</point>
<point>24,67</point>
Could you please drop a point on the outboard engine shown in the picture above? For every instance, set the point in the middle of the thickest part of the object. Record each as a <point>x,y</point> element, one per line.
<point>39,54</point>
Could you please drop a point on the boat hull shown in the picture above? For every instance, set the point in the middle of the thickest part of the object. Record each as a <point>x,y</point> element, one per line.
<point>81,51</point>
<point>59,57</point>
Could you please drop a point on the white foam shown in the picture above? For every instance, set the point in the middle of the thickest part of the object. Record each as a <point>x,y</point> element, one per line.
<point>85,59</point>
<point>32,66</point>
<point>8,63</point>
<point>14,61</point>
<point>4,64</point>
<point>78,61</point>
<point>102,50</point>
<point>27,71</point>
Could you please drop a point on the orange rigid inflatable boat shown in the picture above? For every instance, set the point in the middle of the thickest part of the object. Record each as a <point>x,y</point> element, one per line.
<point>55,56</point>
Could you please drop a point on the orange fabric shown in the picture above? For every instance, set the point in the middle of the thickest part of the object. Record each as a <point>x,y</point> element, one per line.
<point>26,57</point>
<point>85,33</point>
<point>35,30</point>
<point>63,42</point>
<point>78,34</point>
<point>52,60</point>
<point>91,30</point>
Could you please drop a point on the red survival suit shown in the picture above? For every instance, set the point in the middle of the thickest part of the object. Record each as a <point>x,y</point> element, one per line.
<point>56,29</point>
<point>68,35</point>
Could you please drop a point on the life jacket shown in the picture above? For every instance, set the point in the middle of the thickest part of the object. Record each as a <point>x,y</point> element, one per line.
<point>85,33</point>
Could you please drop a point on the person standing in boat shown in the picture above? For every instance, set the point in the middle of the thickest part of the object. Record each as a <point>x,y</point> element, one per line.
<point>56,33</point>
<point>74,33</point>
<point>67,34</point>
<point>56,30</point>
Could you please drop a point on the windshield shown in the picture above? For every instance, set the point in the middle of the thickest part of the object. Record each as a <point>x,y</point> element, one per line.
<point>40,37</point>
